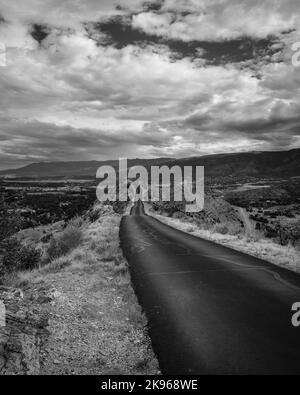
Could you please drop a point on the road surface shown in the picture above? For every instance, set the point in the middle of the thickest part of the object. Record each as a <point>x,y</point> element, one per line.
<point>211,310</point>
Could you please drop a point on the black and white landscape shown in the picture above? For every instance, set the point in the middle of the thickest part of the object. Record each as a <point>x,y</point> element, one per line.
<point>119,288</point>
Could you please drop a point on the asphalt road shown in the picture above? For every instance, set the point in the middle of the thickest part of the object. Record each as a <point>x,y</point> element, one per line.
<point>211,310</point>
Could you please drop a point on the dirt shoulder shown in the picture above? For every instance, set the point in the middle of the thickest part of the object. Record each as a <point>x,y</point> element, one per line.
<point>94,322</point>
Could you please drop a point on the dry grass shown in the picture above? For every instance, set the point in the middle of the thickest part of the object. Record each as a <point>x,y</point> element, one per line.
<point>97,325</point>
<point>284,256</point>
<point>67,241</point>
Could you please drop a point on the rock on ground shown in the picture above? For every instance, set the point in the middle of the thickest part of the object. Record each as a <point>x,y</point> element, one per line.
<point>21,337</point>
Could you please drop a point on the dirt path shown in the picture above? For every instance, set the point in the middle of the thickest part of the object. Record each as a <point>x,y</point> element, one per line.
<point>93,329</point>
<point>96,325</point>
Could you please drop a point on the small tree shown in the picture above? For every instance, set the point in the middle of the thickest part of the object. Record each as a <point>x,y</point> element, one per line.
<point>9,223</point>
<point>16,256</point>
<point>66,242</point>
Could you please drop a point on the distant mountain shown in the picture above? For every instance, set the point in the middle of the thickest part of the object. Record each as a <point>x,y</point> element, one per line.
<point>275,164</point>
<point>256,164</point>
<point>73,169</point>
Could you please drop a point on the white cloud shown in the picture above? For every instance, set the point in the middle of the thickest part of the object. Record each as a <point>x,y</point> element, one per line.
<point>220,19</point>
<point>70,13</point>
<point>73,98</point>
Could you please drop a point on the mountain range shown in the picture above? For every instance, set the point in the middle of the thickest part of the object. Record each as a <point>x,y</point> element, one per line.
<point>256,164</point>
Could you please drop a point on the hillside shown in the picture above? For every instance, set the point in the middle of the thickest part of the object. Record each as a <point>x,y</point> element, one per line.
<point>74,312</point>
<point>73,169</point>
<point>252,164</point>
<point>256,164</point>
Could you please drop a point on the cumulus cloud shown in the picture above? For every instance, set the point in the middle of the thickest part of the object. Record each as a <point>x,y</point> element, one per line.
<point>32,141</point>
<point>220,19</point>
<point>70,92</point>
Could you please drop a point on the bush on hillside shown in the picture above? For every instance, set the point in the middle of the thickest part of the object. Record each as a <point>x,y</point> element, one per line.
<point>66,242</point>
<point>94,215</point>
<point>221,228</point>
<point>76,222</point>
<point>16,256</point>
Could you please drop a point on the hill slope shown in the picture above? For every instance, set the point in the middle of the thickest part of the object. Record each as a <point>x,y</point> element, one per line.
<point>278,163</point>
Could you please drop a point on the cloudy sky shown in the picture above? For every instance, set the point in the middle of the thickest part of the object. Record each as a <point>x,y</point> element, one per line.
<point>101,79</point>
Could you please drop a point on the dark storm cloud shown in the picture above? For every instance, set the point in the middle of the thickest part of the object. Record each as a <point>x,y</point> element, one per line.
<point>23,143</point>
<point>278,131</point>
<point>261,127</point>
<point>40,32</point>
<point>120,33</point>
<point>153,5</point>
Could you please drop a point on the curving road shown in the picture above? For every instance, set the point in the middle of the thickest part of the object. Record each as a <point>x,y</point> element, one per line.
<point>211,310</point>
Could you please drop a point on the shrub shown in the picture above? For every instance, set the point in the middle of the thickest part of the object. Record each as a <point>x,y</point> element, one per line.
<point>178,215</point>
<point>94,215</point>
<point>29,258</point>
<point>66,242</point>
<point>120,207</point>
<point>46,238</point>
<point>16,256</point>
<point>57,264</point>
<point>221,228</point>
<point>9,224</point>
<point>190,229</point>
<point>76,222</point>
<point>121,269</point>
